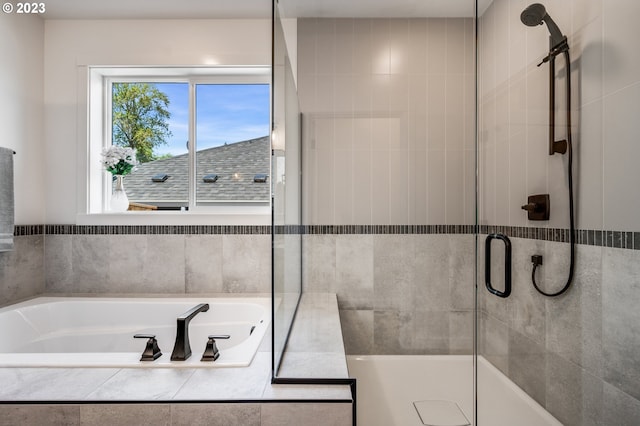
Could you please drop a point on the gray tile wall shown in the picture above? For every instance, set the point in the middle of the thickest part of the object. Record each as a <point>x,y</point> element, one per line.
<point>135,260</point>
<point>22,270</point>
<point>397,294</point>
<point>151,263</point>
<point>574,352</point>
<point>240,414</point>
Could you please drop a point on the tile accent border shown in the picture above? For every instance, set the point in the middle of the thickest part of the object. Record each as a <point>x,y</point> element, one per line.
<point>21,230</point>
<point>591,237</point>
<point>25,230</point>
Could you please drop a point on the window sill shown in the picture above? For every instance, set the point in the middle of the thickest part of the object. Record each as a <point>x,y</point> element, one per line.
<point>174,218</point>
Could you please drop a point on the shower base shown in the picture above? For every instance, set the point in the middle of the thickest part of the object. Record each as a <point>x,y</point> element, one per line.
<point>388,386</point>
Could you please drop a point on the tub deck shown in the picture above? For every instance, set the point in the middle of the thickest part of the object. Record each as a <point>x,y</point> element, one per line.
<point>187,394</point>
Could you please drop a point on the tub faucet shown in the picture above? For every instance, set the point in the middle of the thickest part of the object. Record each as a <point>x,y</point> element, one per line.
<point>182,348</point>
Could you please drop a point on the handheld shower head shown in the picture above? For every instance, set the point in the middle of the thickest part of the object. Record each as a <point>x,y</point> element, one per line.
<point>533,15</point>
<point>536,14</point>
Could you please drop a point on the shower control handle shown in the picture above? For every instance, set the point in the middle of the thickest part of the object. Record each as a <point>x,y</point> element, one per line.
<point>532,207</point>
<point>537,207</point>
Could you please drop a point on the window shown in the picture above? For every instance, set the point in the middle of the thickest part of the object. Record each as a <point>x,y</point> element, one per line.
<point>201,136</point>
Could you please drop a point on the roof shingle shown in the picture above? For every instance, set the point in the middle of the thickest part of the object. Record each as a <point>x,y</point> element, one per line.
<point>235,164</point>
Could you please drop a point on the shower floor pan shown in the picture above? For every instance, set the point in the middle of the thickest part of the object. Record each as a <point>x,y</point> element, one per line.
<point>389,385</point>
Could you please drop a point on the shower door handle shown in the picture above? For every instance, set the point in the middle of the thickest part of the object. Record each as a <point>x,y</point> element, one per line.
<point>507,265</point>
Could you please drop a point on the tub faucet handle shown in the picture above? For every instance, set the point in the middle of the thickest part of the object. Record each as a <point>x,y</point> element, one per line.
<point>211,352</point>
<point>152,350</point>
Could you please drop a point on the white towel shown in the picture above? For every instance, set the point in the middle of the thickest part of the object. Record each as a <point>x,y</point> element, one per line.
<point>6,199</point>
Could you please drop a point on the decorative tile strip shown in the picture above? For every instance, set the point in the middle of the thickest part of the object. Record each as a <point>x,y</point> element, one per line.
<point>157,230</point>
<point>591,237</point>
<point>25,230</point>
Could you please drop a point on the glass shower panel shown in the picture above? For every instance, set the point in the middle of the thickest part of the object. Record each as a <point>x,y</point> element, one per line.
<point>389,184</point>
<point>286,187</point>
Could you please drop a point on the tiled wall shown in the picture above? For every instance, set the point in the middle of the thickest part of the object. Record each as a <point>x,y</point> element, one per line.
<point>575,354</point>
<point>22,270</point>
<point>246,414</point>
<point>397,293</point>
<point>388,121</point>
<point>158,259</point>
<point>136,260</point>
<point>388,140</point>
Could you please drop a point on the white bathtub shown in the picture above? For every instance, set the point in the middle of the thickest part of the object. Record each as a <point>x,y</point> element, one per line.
<point>387,386</point>
<point>98,332</point>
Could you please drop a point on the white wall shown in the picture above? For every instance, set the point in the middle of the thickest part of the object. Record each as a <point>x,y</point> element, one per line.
<point>72,45</point>
<point>21,50</point>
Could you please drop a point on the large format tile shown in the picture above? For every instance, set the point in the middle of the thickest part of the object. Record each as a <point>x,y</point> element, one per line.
<point>619,409</point>
<point>51,383</point>
<point>124,259</point>
<point>142,384</point>
<point>90,269</point>
<point>215,414</point>
<point>354,271</point>
<point>527,365</point>
<point>393,272</point>
<point>242,383</point>
<point>573,396</point>
<point>22,269</point>
<point>163,266</point>
<point>246,263</point>
<point>125,415</point>
<point>203,264</point>
<point>319,263</point>
<point>58,263</point>
<point>50,415</point>
<point>574,320</point>
<point>620,317</point>
<point>308,414</point>
<point>357,331</point>
<point>411,333</point>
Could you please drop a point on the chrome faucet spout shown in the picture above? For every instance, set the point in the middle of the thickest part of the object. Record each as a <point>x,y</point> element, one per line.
<point>182,347</point>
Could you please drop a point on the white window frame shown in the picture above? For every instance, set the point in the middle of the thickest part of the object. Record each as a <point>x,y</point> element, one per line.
<point>99,128</point>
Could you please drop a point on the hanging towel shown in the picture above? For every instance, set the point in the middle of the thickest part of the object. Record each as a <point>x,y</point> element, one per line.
<point>6,199</point>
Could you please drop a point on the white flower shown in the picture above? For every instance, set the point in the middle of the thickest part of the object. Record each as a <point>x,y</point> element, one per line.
<point>119,160</point>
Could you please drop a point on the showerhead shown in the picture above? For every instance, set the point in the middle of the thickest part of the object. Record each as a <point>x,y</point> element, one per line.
<point>535,14</point>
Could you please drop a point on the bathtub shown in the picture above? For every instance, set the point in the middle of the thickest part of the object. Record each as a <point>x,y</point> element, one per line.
<point>98,332</point>
<point>388,385</point>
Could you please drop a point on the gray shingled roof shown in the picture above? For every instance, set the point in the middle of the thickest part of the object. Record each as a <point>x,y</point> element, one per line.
<point>235,164</point>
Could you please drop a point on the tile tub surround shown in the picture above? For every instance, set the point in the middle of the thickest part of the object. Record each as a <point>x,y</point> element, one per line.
<point>157,259</point>
<point>234,396</point>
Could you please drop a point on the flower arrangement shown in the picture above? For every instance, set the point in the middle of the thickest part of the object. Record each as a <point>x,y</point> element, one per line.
<point>118,160</point>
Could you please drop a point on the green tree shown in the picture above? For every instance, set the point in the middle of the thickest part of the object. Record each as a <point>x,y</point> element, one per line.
<point>140,118</point>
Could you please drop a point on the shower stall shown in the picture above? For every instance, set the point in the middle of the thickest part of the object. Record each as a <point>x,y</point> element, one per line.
<point>482,243</point>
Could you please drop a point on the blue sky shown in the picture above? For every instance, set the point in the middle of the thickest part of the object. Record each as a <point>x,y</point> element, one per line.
<point>224,114</point>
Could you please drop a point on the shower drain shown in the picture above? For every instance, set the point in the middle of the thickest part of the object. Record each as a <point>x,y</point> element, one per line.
<point>440,413</point>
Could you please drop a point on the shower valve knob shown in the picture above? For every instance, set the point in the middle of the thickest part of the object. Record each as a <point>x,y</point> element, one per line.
<point>532,207</point>
<point>537,207</point>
